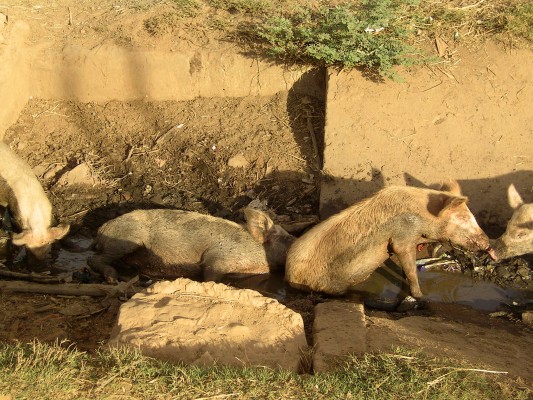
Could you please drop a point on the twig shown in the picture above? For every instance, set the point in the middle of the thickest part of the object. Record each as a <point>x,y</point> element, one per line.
<point>69,289</point>
<point>91,314</point>
<point>467,7</point>
<point>218,396</point>
<point>30,277</point>
<point>69,16</point>
<point>432,87</point>
<point>440,378</point>
<point>448,74</point>
<point>298,158</point>
<point>77,213</point>
<point>313,139</point>
<point>130,152</point>
<point>164,135</point>
<point>112,377</point>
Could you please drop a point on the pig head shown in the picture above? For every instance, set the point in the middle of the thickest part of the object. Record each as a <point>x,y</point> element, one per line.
<point>39,242</point>
<point>455,222</point>
<point>518,237</point>
<point>22,193</point>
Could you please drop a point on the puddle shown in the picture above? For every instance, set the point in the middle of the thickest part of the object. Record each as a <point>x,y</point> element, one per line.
<point>68,262</point>
<point>384,285</point>
<point>446,287</point>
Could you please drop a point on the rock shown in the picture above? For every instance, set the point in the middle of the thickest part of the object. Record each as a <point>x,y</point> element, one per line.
<point>79,175</point>
<point>210,323</point>
<point>523,271</point>
<point>339,330</point>
<point>52,171</point>
<point>238,161</point>
<point>527,318</point>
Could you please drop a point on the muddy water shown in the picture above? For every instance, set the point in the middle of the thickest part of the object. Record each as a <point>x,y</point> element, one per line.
<point>383,287</point>
<point>446,287</point>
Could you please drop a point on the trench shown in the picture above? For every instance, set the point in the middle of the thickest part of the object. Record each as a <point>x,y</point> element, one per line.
<point>150,136</point>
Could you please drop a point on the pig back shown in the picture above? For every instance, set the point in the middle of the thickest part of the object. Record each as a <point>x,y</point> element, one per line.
<point>177,237</point>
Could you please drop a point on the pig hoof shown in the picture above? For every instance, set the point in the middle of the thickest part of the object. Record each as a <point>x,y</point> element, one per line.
<point>409,303</point>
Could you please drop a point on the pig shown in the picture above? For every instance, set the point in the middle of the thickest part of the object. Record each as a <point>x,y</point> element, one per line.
<point>347,247</point>
<point>517,240</point>
<point>23,195</point>
<point>176,243</point>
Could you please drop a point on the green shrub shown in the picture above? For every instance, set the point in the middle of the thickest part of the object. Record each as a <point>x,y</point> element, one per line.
<point>520,21</point>
<point>369,34</point>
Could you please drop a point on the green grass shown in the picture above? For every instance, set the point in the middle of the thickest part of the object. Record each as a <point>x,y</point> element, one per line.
<point>519,22</point>
<point>39,371</point>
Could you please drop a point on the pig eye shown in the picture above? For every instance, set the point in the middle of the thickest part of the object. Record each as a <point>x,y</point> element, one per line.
<point>520,234</point>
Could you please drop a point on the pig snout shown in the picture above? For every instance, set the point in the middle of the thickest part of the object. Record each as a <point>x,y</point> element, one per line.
<point>481,242</point>
<point>473,240</point>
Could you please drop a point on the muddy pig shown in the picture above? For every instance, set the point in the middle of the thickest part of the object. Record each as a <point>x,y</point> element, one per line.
<point>347,247</point>
<point>518,237</point>
<point>175,243</point>
<point>23,195</point>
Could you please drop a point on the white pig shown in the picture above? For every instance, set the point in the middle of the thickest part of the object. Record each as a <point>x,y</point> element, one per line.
<point>21,192</point>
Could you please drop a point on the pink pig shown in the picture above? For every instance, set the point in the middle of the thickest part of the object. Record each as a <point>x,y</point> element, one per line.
<point>347,247</point>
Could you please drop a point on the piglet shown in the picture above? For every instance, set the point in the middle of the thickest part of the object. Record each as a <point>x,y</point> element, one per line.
<point>345,249</point>
<point>518,237</point>
<point>23,195</point>
<point>176,243</point>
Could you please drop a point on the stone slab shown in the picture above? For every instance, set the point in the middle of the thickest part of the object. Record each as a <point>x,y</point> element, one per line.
<point>339,330</point>
<point>211,323</point>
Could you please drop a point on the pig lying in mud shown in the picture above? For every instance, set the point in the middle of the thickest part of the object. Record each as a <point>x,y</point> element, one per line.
<point>346,248</point>
<point>23,195</point>
<point>518,237</point>
<point>175,243</point>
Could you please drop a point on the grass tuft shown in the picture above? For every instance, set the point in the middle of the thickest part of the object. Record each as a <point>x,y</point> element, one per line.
<point>40,371</point>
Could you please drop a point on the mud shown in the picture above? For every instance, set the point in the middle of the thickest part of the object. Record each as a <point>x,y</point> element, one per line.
<point>172,154</point>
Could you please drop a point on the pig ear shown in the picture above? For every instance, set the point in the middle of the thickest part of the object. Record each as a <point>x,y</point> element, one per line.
<point>258,223</point>
<point>58,232</point>
<point>22,238</point>
<point>452,186</point>
<point>452,202</point>
<point>437,204</point>
<point>515,200</point>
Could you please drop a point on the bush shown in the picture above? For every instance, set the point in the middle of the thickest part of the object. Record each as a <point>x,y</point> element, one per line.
<point>369,34</point>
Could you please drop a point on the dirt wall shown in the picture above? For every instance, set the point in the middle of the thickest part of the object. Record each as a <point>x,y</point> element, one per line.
<point>470,119</point>
<point>107,72</point>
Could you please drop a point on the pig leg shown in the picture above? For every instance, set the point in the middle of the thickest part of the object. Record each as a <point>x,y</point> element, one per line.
<point>407,257</point>
<point>102,262</point>
<point>212,265</point>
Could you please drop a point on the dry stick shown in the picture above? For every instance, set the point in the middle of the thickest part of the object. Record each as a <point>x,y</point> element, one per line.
<point>440,378</point>
<point>315,144</point>
<point>69,16</point>
<point>69,289</point>
<point>30,277</point>
<point>218,396</point>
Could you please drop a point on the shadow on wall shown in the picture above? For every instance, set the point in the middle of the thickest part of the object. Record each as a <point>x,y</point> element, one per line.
<point>339,193</point>
<point>484,194</point>
<point>306,109</point>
